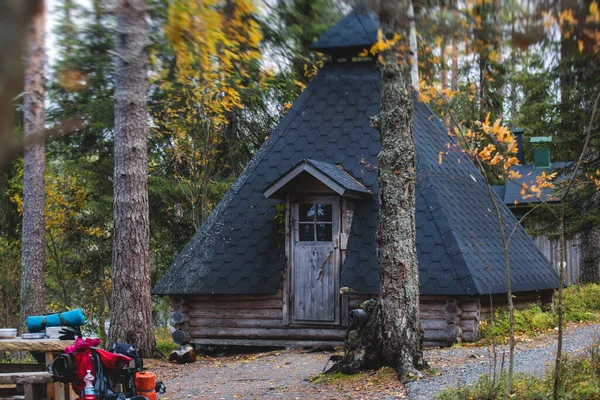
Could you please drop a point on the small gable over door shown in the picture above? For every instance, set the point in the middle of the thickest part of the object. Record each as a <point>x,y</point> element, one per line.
<point>310,176</point>
<point>317,195</point>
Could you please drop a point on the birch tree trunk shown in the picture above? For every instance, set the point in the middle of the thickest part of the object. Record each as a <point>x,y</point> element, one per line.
<point>393,335</point>
<point>414,59</point>
<point>444,61</point>
<point>33,251</point>
<point>454,77</point>
<point>131,301</point>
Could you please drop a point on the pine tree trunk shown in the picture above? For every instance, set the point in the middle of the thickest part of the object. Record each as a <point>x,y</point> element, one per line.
<point>454,77</point>
<point>33,252</point>
<point>393,335</point>
<point>499,45</point>
<point>131,301</point>
<point>444,70</point>
<point>590,239</point>
<point>590,248</point>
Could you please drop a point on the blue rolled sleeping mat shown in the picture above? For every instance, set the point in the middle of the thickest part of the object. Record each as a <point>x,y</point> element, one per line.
<point>73,318</point>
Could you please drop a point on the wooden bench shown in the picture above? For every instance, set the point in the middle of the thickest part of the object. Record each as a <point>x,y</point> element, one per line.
<point>33,382</point>
<point>36,381</point>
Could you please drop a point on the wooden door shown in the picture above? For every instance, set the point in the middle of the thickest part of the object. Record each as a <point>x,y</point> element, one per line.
<point>315,264</point>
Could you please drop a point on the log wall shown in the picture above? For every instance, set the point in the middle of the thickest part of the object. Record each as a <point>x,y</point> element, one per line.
<point>245,320</point>
<point>258,319</point>
<point>445,319</point>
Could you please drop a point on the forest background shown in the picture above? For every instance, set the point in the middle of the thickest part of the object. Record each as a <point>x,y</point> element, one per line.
<point>217,91</point>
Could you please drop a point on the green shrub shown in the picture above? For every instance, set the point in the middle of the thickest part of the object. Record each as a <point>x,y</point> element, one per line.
<point>164,342</point>
<point>581,303</point>
<point>528,322</point>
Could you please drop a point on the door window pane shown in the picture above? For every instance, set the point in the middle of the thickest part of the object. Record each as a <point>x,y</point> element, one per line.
<point>306,232</point>
<point>307,212</point>
<point>324,212</point>
<point>324,232</point>
<point>315,222</point>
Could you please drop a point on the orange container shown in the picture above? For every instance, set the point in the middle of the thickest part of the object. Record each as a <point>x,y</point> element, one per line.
<point>145,384</point>
<point>151,394</point>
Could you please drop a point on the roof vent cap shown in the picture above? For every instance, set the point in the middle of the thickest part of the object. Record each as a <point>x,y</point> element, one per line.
<point>541,152</point>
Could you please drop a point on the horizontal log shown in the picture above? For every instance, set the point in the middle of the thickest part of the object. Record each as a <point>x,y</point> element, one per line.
<point>472,306</point>
<point>235,297</point>
<point>252,304</point>
<point>469,336</point>
<point>432,315</point>
<point>471,315</point>
<point>433,324</point>
<point>5,368</point>
<point>438,307</point>
<point>469,325</point>
<point>361,297</point>
<point>263,333</point>
<point>18,344</point>
<point>444,299</point>
<point>237,313</point>
<point>25,378</point>
<point>435,335</point>
<point>435,343</point>
<point>294,344</point>
<point>236,323</point>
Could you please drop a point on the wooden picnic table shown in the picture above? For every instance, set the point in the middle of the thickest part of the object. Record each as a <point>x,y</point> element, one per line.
<point>32,375</point>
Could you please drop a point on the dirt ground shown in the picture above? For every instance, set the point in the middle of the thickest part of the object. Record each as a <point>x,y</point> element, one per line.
<point>290,374</point>
<point>282,374</point>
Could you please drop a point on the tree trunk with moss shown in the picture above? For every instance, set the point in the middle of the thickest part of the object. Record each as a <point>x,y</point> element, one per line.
<point>393,336</point>
<point>33,254</point>
<point>131,300</point>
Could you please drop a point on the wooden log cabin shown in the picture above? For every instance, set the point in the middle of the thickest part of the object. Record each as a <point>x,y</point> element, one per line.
<point>521,202</point>
<point>291,248</point>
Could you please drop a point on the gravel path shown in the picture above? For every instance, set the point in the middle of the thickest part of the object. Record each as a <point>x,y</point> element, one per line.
<point>272,375</point>
<point>284,374</point>
<point>464,365</point>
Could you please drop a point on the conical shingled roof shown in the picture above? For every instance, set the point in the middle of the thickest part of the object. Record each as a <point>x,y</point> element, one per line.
<point>355,32</point>
<point>238,249</point>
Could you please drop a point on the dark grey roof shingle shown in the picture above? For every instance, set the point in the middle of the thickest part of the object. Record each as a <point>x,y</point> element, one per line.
<point>355,32</point>
<point>237,250</point>
<point>511,194</point>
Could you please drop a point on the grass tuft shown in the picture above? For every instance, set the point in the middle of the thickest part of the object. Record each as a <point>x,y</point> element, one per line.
<point>581,303</point>
<point>579,380</point>
<point>164,342</point>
